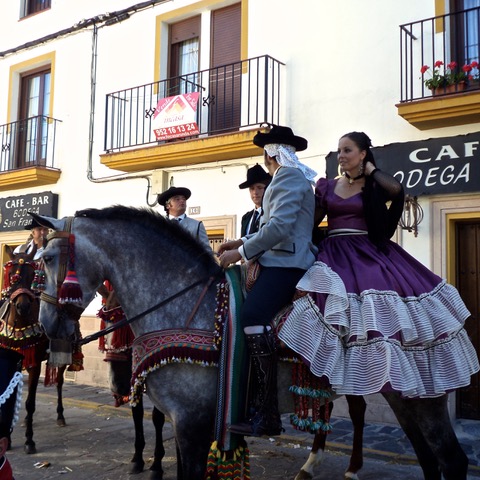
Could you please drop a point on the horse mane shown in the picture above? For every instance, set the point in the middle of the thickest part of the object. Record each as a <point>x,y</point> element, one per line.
<point>152,220</point>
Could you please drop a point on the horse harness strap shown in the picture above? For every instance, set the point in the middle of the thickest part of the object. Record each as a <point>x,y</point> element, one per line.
<point>62,267</point>
<point>128,321</point>
<point>199,301</point>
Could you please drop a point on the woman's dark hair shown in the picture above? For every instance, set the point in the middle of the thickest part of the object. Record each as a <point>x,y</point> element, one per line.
<point>381,221</point>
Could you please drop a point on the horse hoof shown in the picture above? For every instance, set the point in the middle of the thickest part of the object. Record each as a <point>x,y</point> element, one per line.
<point>61,422</point>
<point>303,475</point>
<point>29,449</point>
<point>136,468</point>
<point>156,475</point>
<point>351,476</point>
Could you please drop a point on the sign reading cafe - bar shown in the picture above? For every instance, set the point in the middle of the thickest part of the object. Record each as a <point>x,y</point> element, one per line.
<point>14,210</point>
<point>429,167</point>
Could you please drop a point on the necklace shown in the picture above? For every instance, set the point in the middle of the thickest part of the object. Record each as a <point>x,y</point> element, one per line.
<point>351,180</point>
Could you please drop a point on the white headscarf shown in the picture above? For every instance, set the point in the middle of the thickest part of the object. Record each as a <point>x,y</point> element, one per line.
<point>286,157</point>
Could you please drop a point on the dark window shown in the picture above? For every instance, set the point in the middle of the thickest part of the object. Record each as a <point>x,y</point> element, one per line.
<point>34,6</point>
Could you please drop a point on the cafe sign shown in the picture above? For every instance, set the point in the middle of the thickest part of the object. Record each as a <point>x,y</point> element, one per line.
<point>14,210</point>
<point>428,167</point>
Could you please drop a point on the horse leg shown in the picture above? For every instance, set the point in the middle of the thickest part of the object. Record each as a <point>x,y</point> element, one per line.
<point>427,424</point>
<point>356,410</point>
<point>179,462</point>
<point>137,459</point>
<point>193,444</point>
<point>315,457</point>
<point>30,405</point>
<point>60,380</point>
<point>158,419</point>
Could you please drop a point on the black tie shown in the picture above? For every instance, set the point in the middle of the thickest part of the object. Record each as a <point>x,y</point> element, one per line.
<point>255,222</point>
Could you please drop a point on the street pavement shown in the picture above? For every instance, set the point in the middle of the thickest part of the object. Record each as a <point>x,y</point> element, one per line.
<point>97,443</point>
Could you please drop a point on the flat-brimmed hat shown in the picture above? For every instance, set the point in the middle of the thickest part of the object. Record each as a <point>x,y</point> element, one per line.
<point>256,174</point>
<point>279,134</point>
<point>32,224</point>
<point>164,197</point>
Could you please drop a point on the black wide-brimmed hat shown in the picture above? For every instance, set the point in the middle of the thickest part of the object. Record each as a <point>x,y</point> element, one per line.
<point>278,134</point>
<point>164,197</point>
<point>32,224</point>
<point>256,174</point>
<point>10,364</point>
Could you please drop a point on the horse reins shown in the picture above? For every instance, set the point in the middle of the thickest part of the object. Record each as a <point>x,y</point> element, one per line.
<point>127,321</point>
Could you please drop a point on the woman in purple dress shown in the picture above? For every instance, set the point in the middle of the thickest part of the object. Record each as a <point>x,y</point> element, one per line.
<point>376,319</point>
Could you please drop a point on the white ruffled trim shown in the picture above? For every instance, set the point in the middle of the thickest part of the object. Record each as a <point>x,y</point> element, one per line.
<point>420,366</point>
<point>16,381</point>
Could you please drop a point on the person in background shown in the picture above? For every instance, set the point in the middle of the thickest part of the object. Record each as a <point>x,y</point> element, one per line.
<point>174,201</point>
<point>257,181</point>
<point>38,235</point>
<point>284,250</point>
<point>11,383</point>
<point>398,326</point>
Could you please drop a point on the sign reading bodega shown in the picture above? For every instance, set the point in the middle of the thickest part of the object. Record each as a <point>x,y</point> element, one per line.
<point>14,210</point>
<point>429,167</point>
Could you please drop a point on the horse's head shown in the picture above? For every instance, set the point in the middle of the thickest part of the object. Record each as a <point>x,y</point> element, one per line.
<point>19,277</point>
<point>59,319</point>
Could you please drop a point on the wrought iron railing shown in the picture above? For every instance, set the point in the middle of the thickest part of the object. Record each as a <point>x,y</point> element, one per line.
<point>445,38</point>
<point>28,143</point>
<point>231,97</point>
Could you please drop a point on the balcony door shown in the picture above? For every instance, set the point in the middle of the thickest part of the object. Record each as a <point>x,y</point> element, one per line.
<point>184,57</point>
<point>32,127</point>
<point>466,29</point>
<point>220,84</point>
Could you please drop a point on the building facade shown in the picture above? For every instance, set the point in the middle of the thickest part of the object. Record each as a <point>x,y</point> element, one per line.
<point>111,101</point>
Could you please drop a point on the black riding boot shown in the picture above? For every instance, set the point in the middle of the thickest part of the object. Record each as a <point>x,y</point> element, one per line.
<point>266,419</point>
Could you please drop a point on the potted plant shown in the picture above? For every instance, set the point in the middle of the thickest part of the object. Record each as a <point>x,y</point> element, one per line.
<point>451,80</point>
<point>474,76</point>
<point>437,80</point>
<point>456,80</point>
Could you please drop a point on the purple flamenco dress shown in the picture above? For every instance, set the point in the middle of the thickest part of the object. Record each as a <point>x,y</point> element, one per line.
<point>377,319</point>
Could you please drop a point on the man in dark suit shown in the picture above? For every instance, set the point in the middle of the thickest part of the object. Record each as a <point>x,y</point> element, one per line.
<point>283,247</point>
<point>174,201</point>
<point>257,181</point>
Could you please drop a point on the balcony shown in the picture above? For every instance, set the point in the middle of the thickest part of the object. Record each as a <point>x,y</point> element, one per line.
<point>233,100</point>
<point>446,38</point>
<point>27,153</point>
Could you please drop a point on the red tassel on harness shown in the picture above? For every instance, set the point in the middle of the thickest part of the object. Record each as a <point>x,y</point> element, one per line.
<point>70,291</point>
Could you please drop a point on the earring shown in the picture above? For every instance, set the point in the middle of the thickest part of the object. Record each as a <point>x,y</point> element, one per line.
<point>360,170</point>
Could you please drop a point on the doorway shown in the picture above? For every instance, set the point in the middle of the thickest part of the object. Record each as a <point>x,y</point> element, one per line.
<point>467,245</point>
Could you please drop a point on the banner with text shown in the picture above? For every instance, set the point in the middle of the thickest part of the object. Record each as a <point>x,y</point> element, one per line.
<point>428,167</point>
<point>175,117</point>
<point>14,210</point>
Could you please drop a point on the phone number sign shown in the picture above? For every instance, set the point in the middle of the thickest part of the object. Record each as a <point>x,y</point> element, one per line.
<point>175,117</point>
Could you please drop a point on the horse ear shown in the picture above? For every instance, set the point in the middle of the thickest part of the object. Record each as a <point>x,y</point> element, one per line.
<point>9,251</point>
<point>49,222</point>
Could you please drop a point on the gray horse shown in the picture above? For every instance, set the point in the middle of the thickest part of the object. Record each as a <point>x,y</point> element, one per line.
<point>152,259</point>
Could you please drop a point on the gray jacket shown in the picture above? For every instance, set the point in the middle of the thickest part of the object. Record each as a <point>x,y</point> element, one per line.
<point>285,235</point>
<point>197,229</point>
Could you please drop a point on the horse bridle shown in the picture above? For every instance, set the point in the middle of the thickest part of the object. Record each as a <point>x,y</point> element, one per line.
<point>65,245</point>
